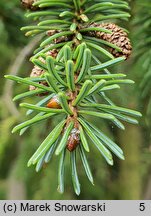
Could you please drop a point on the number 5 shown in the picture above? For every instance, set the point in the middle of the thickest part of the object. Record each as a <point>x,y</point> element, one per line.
<point>142,206</point>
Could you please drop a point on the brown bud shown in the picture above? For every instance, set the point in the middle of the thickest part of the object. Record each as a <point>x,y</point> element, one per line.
<point>73,140</point>
<point>54,103</point>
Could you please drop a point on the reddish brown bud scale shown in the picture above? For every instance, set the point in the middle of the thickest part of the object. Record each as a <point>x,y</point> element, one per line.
<point>52,32</point>
<point>28,4</point>
<point>73,140</point>
<point>59,39</point>
<point>53,53</point>
<point>54,103</point>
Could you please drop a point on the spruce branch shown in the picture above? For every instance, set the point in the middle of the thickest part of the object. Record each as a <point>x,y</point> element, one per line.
<point>72,73</point>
